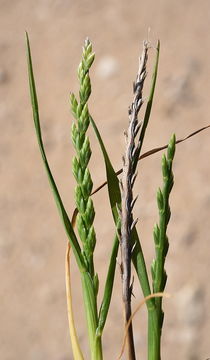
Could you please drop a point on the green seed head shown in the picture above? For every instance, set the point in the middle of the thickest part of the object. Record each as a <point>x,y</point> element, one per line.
<point>160,200</point>
<point>165,169</point>
<point>156,234</point>
<point>81,172</point>
<point>171,148</point>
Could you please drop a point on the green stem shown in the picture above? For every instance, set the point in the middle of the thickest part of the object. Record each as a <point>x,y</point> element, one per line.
<point>98,355</point>
<point>153,335</point>
<point>91,315</point>
<point>159,275</point>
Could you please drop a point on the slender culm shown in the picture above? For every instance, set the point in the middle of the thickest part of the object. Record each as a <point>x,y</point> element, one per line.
<point>128,179</point>
<point>159,275</point>
<point>85,211</point>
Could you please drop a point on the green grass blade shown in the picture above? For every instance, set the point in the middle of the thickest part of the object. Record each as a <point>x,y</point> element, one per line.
<point>112,179</point>
<point>65,219</point>
<point>108,288</point>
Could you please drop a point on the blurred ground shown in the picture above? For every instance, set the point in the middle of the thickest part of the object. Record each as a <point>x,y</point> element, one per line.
<point>32,241</point>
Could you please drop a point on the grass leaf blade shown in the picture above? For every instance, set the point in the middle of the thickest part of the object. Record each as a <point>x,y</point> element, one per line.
<point>112,180</point>
<point>65,219</point>
<point>108,287</point>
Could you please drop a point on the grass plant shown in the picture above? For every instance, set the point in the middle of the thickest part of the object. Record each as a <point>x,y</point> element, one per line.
<point>122,201</point>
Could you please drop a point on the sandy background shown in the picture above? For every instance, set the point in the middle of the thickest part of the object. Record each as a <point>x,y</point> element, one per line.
<point>32,240</point>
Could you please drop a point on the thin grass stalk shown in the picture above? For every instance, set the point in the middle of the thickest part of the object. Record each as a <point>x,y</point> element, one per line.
<point>128,179</point>
<point>153,340</point>
<point>84,203</point>
<point>159,276</point>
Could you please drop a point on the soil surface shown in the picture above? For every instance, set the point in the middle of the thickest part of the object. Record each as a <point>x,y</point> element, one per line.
<point>32,241</point>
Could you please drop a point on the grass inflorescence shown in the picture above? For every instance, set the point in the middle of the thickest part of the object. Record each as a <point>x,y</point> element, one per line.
<point>84,203</point>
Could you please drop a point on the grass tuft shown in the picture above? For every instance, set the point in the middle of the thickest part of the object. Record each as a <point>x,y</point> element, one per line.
<point>122,201</point>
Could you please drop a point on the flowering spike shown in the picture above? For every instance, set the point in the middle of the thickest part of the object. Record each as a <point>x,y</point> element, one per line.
<point>159,276</point>
<point>80,162</point>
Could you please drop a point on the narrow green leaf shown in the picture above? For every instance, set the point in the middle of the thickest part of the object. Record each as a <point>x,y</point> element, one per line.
<point>112,179</point>
<point>64,217</point>
<point>108,288</point>
<point>140,266</point>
